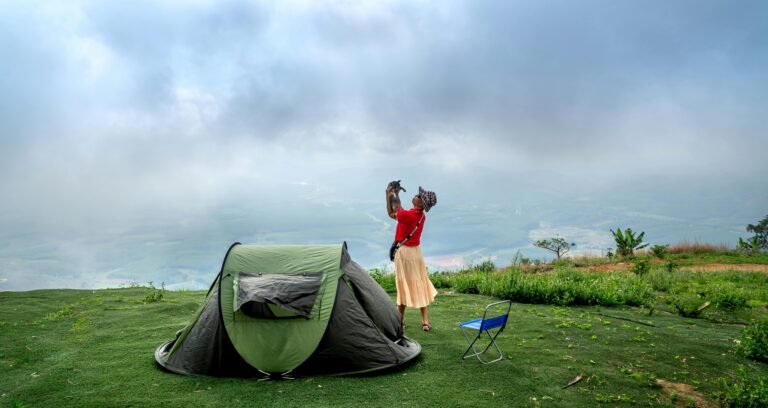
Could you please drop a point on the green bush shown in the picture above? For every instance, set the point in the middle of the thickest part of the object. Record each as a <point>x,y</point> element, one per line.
<point>744,392</point>
<point>385,280</point>
<point>659,251</point>
<point>563,287</point>
<point>468,282</point>
<point>753,341</point>
<point>641,267</point>
<point>485,266</point>
<point>441,279</point>
<point>660,281</point>
<point>729,300</point>
<point>687,305</point>
<point>670,266</point>
<point>154,294</point>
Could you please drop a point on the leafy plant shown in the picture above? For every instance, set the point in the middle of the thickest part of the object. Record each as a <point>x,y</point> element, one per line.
<point>155,294</point>
<point>688,305</point>
<point>558,245</point>
<point>749,246</point>
<point>440,279</point>
<point>753,341</point>
<point>761,233</point>
<point>729,300</point>
<point>626,242</point>
<point>468,282</point>
<point>744,392</point>
<point>660,251</point>
<point>641,267</point>
<point>385,280</point>
<point>756,243</point>
<point>660,281</point>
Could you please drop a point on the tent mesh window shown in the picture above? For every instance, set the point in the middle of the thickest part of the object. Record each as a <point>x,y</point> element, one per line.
<point>276,296</point>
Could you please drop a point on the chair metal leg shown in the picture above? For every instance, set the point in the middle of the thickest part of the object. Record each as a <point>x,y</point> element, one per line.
<point>492,341</point>
<point>471,344</point>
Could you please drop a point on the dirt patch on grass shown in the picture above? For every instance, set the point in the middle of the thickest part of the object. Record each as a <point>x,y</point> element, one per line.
<point>619,266</point>
<point>682,395</point>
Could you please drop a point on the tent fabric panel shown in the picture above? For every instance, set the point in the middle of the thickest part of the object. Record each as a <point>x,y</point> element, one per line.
<point>279,345</point>
<point>211,295</point>
<point>294,293</point>
<point>353,343</point>
<point>372,297</point>
<point>204,347</point>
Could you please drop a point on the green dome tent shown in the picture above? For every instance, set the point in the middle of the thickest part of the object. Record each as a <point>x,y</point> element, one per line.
<point>275,310</point>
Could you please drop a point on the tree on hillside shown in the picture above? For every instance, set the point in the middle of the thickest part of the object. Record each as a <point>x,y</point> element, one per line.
<point>558,245</point>
<point>626,242</point>
<point>759,241</point>
<point>761,232</point>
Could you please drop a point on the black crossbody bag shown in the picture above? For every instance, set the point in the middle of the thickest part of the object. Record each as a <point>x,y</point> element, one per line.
<point>396,245</point>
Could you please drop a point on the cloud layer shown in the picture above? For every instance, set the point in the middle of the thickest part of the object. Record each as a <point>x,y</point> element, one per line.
<point>170,128</point>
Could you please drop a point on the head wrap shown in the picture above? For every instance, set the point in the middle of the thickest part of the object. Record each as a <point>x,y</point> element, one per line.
<point>428,198</point>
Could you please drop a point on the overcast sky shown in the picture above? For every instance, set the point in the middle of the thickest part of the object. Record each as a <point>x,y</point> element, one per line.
<point>139,139</point>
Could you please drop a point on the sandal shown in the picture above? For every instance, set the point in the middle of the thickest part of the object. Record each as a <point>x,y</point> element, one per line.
<point>426,327</point>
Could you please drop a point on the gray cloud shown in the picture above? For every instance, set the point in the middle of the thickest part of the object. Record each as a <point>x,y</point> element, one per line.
<point>136,123</point>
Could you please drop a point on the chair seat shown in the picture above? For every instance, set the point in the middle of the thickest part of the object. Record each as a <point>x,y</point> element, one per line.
<point>472,324</point>
<point>484,327</point>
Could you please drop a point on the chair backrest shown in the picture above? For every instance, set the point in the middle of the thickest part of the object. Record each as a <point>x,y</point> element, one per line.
<point>496,320</point>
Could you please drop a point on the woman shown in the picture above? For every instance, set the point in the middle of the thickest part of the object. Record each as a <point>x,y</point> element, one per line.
<point>414,289</point>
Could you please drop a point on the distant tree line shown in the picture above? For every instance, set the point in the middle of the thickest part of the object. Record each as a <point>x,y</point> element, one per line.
<point>627,242</point>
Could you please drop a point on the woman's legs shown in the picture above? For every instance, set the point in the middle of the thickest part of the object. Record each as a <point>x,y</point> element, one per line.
<point>425,320</point>
<point>401,309</point>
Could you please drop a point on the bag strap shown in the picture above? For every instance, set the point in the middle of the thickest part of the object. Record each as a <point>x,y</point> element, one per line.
<point>399,244</point>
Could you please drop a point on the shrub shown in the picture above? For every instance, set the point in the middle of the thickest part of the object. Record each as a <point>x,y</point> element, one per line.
<point>641,267</point>
<point>155,294</point>
<point>753,341</point>
<point>385,280</point>
<point>659,251</point>
<point>744,392</point>
<point>729,300</point>
<point>566,286</point>
<point>467,282</point>
<point>688,305</point>
<point>660,281</point>
<point>485,266</point>
<point>440,279</point>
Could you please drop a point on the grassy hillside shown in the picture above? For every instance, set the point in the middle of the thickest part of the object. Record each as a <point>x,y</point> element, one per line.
<point>95,348</point>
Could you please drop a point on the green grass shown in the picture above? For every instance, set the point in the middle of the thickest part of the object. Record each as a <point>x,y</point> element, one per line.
<point>721,257</point>
<point>95,349</point>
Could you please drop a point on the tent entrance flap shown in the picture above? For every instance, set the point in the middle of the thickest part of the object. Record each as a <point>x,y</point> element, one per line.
<point>274,296</point>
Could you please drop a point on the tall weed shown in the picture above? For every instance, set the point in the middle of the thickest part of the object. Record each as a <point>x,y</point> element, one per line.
<point>696,248</point>
<point>753,341</point>
<point>744,392</point>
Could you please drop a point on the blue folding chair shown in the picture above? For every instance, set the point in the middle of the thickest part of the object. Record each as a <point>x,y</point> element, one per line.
<point>487,324</point>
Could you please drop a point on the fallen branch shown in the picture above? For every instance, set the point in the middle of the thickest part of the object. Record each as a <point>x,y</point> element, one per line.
<point>574,381</point>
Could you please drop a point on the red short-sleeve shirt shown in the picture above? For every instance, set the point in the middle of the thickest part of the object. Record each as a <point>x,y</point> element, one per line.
<point>406,222</point>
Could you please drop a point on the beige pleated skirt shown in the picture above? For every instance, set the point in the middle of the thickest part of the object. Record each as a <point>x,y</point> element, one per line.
<point>414,289</point>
